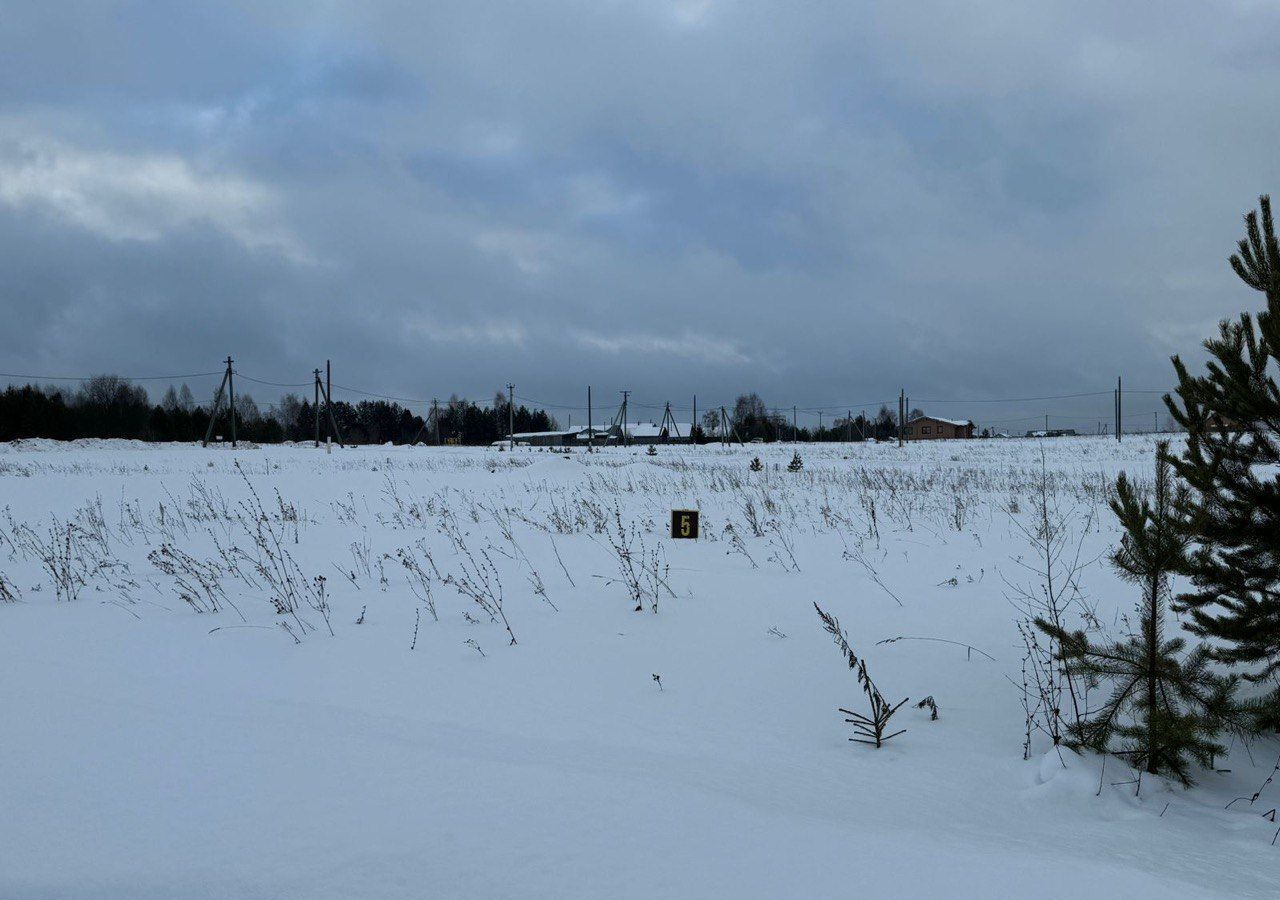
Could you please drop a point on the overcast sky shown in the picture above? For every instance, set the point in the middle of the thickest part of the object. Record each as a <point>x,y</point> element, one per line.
<point>821,202</point>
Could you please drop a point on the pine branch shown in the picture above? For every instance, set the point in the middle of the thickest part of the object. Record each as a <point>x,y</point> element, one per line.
<point>872,727</point>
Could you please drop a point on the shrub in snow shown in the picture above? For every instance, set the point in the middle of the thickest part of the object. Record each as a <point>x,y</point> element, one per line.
<point>476,577</point>
<point>197,582</point>
<point>737,544</point>
<point>642,569</point>
<point>8,590</point>
<point>60,554</point>
<point>1055,693</point>
<point>796,463</point>
<point>756,465</point>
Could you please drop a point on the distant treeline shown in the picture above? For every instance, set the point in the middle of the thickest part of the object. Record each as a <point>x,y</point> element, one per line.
<point>108,406</point>
<point>751,419</point>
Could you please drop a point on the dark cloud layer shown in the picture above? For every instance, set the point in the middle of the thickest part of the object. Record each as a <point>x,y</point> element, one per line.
<point>821,202</point>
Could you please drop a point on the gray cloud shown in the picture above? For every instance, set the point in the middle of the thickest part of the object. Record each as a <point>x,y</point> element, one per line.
<point>822,202</point>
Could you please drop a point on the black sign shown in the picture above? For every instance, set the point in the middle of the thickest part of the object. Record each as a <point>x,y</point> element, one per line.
<point>684,524</point>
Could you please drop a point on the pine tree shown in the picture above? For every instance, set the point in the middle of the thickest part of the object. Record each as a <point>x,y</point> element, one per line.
<point>1232,512</point>
<point>1165,709</point>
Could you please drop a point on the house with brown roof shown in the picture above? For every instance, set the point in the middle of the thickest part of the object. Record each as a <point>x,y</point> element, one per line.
<point>932,428</point>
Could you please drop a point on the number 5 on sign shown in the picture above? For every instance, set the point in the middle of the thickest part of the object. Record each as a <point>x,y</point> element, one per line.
<point>684,524</point>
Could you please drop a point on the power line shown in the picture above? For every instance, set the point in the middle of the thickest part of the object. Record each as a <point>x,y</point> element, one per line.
<point>1018,399</point>
<point>846,406</point>
<point>273,383</point>
<point>354,390</point>
<point>546,405</point>
<point>124,377</point>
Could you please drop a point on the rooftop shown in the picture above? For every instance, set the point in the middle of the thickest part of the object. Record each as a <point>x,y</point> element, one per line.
<point>956,422</point>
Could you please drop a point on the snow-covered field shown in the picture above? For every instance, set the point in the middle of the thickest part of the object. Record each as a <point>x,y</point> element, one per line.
<point>153,750</point>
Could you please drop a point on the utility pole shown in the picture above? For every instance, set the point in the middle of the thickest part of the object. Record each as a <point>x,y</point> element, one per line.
<point>328,403</point>
<point>848,420</point>
<point>231,392</point>
<point>1155,421</point>
<point>511,414</point>
<point>694,424</point>
<point>726,427</point>
<point>795,432</point>
<point>225,383</point>
<point>902,399</point>
<point>334,433</point>
<point>591,434</point>
<point>317,387</point>
<point>431,421</point>
<point>1119,408</point>
<point>1046,424</point>
<point>668,424</point>
<point>625,441</point>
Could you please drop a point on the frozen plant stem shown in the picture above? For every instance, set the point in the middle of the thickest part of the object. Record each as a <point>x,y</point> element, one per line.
<point>869,729</point>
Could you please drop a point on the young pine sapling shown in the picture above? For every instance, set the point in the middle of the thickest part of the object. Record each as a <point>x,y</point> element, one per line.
<point>1165,709</point>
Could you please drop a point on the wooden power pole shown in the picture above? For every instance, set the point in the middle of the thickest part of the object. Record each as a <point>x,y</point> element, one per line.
<point>316,373</point>
<point>231,394</point>
<point>511,414</point>
<point>622,413</point>
<point>1119,408</point>
<point>227,384</point>
<point>668,424</point>
<point>902,399</point>
<point>322,389</point>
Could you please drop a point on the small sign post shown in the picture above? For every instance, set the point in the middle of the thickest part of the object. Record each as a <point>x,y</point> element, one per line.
<point>684,524</point>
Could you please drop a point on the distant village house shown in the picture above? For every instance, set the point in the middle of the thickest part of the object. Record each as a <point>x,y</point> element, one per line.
<point>932,428</point>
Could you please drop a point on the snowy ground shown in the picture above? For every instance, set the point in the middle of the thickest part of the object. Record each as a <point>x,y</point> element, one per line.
<point>152,751</point>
